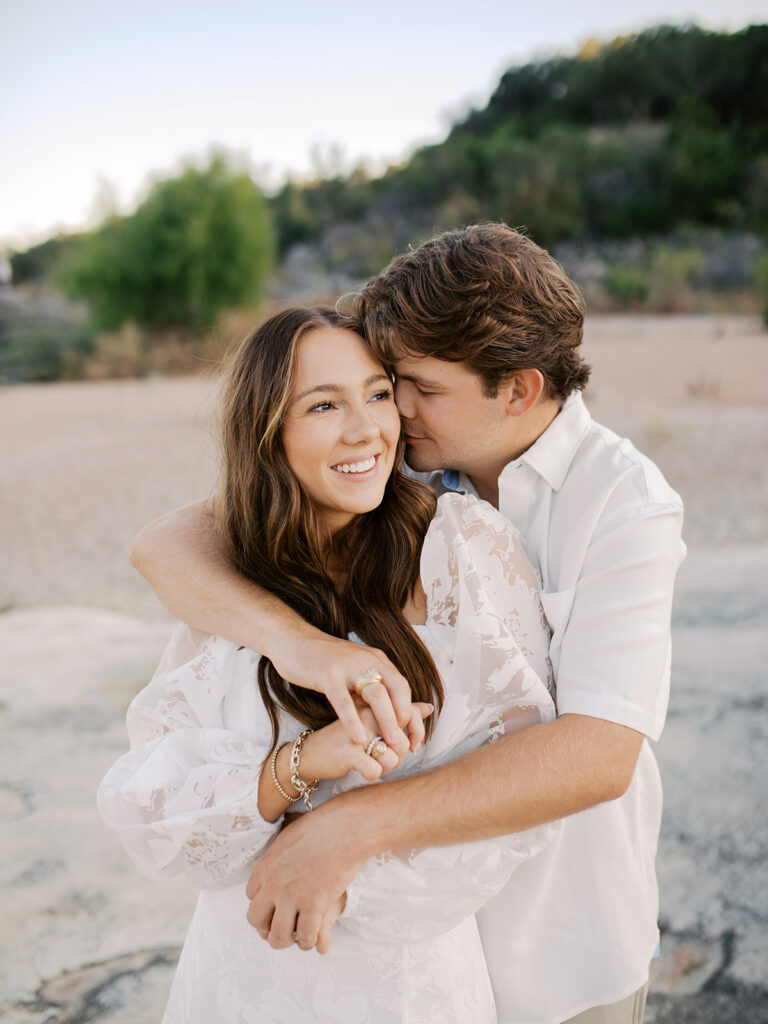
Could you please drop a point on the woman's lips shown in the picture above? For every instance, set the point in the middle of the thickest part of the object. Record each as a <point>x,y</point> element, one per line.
<point>356,469</point>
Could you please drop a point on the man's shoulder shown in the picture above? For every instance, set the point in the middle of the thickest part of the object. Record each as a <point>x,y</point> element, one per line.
<point>609,464</point>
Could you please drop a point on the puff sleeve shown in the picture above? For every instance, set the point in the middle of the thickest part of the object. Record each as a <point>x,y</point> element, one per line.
<point>185,797</point>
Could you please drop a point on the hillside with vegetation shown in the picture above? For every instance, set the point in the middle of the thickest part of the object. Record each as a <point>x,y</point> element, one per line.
<point>642,162</point>
<point>646,134</point>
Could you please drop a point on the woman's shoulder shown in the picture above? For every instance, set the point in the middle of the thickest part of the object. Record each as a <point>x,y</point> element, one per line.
<point>202,655</point>
<point>466,523</point>
<point>466,513</point>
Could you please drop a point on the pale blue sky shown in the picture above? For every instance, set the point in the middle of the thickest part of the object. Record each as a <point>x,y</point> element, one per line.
<point>97,92</point>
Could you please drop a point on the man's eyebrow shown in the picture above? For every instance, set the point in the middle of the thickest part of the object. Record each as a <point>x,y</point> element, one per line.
<point>336,388</point>
<point>423,382</point>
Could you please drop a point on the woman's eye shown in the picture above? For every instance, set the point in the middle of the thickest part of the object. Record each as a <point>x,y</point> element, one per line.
<point>321,407</point>
<point>382,396</point>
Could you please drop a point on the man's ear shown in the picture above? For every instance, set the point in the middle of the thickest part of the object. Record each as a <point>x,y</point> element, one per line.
<point>523,390</point>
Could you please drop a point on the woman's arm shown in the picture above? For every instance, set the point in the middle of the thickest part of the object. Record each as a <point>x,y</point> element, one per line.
<point>327,754</point>
<point>185,796</point>
<point>193,794</point>
<point>182,558</point>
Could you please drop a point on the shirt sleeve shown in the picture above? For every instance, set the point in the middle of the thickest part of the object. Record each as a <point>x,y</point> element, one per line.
<point>185,797</point>
<point>615,657</point>
<point>484,608</point>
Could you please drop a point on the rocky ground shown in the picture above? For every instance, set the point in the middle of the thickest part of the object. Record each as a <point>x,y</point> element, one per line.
<point>86,939</point>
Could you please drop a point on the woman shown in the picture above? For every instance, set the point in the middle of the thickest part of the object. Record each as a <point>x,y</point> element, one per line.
<point>314,507</point>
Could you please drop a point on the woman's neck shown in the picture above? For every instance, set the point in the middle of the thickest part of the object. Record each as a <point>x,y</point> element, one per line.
<point>415,608</point>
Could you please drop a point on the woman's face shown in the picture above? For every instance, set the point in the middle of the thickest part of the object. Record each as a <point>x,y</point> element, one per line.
<point>342,426</point>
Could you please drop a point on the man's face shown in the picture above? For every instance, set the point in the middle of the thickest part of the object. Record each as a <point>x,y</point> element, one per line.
<point>448,423</point>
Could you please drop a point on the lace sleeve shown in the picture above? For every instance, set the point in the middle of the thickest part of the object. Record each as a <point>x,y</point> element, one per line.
<point>485,614</point>
<point>185,797</point>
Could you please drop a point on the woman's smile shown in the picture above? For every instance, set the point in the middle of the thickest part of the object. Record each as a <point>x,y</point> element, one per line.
<point>359,469</point>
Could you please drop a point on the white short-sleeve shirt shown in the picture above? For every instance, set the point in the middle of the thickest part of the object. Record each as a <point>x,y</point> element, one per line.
<point>577,926</point>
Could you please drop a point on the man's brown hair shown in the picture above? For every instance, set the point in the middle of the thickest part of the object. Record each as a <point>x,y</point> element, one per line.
<point>485,296</point>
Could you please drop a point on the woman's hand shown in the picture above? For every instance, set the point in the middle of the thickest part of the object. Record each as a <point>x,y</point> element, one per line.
<point>330,665</point>
<point>329,753</point>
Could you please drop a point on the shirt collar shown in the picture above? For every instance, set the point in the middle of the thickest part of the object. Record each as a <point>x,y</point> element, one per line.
<point>451,479</point>
<point>551,454</point>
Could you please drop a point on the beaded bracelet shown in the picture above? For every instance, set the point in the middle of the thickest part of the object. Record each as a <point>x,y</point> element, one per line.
<point>296,781</point>
<point>280,790</point>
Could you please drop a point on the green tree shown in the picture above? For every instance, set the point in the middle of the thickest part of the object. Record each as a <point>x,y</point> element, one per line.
<point>706,163</point>
<point>199,243</point>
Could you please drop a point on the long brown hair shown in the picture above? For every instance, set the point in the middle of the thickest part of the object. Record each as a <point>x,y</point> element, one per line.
<point>485,296</point>
<point>274,537</point>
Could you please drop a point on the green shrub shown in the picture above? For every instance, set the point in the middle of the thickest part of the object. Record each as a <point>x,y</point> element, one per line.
<point>44,355</point>
<point>39,263</point>
<point>672,273</point>
<point>629,287</point>
<point>761,283</point>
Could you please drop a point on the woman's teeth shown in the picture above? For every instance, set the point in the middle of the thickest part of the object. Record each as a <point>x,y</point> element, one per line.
<point>356,467</point>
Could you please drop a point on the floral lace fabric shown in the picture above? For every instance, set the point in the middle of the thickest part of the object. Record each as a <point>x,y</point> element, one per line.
<point>184,798</point>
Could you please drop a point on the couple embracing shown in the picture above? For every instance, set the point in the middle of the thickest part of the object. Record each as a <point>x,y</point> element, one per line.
<point>486,631</point>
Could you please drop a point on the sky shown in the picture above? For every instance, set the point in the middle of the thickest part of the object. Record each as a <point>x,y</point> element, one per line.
<point>98,96</point>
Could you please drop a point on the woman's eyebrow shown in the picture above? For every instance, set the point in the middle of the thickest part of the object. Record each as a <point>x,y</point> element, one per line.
<point>336,388</point>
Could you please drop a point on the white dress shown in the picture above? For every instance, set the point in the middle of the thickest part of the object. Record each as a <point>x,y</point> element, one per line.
<point>184,798</point>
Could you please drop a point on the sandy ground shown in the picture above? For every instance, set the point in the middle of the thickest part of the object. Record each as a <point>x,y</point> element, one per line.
<point>85,465</point>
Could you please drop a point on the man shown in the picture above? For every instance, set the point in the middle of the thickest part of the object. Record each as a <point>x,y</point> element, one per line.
<point>484,329</point>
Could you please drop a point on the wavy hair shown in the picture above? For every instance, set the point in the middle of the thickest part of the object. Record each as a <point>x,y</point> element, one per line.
<point>485,296</point>
<point>274,537</point>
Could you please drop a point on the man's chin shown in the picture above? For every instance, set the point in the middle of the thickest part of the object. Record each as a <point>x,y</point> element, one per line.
<point>419,460</point>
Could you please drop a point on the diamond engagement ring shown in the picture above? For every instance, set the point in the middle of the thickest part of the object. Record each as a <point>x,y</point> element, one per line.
<point>376,748</point>
<point>366,677</point>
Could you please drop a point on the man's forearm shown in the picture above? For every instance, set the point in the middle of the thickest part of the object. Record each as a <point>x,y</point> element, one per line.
<point>182,558</point>
<point>537,775</point>
<point>541,774</point>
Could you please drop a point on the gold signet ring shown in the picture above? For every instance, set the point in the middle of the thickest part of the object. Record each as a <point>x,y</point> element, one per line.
<point>366,677</point>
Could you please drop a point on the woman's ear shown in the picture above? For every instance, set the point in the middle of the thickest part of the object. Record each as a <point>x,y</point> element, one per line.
<point>523,390</point>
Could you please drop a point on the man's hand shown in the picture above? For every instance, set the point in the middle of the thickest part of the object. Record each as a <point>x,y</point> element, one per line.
<point>299,885</point>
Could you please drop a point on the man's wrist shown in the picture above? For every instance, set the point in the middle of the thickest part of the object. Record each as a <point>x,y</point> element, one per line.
<point>286,630</point>
<point>353,814</point>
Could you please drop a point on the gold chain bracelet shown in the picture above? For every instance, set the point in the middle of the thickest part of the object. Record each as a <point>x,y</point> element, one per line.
<point>297,782</point>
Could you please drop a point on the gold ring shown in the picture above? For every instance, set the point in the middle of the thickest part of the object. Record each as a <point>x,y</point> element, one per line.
<point>366,677</point>
<point>376,748</point>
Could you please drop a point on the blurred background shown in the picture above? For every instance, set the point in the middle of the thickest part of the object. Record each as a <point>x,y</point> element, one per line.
<point>171,174</point>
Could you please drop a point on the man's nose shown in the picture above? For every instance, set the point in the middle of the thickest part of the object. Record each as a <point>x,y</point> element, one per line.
<point>404,400</point>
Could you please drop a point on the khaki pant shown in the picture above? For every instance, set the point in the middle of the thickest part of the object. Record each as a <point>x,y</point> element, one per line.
<point>626,1011</point>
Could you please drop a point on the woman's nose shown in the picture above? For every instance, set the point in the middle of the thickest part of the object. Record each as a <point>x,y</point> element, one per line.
<point>360,426</point>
